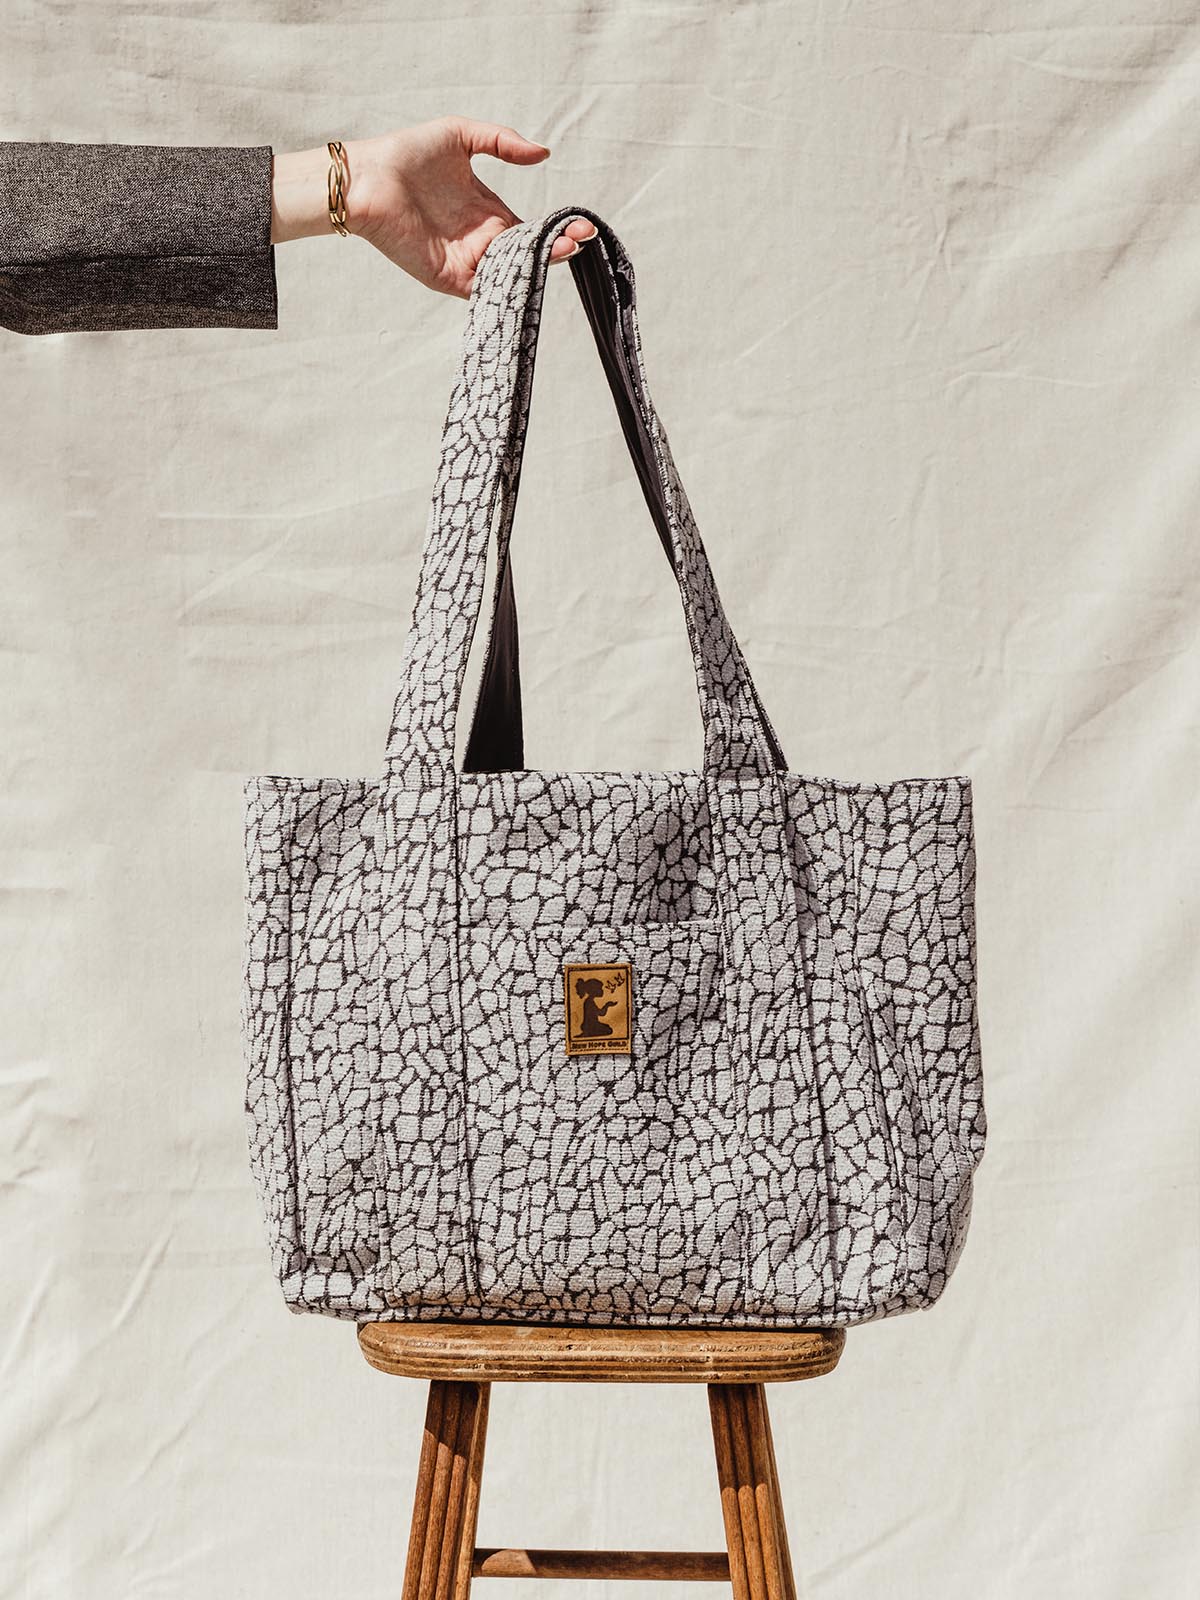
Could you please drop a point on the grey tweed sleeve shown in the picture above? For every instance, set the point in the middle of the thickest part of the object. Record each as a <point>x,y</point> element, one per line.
<point>103,236</point>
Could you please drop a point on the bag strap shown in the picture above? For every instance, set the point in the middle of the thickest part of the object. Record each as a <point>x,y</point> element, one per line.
<point>496,742</point>
<point>482,448</point>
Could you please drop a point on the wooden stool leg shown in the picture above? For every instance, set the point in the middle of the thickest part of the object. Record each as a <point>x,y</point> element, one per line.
<point>789,1577</point>
<point>470,1515</point>
<point>446,1504</point>
<point>759,1564</point>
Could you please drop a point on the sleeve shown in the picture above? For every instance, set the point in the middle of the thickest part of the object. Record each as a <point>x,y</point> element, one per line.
<point>96,237</point>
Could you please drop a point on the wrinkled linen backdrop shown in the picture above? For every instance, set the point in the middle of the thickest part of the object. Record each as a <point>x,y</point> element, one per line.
<point>919,289</point>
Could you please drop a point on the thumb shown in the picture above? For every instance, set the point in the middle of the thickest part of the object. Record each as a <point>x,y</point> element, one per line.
<point>506,144</point>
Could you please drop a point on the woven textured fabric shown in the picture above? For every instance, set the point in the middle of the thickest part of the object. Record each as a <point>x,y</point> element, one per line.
<point>106,236</point>
<point>792,1133</point>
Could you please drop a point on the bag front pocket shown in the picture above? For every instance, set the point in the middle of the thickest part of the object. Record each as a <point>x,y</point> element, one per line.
<point>602,1186</point>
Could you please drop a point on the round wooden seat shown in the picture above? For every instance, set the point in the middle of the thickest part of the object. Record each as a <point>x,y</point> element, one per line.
<point>543,1353</point>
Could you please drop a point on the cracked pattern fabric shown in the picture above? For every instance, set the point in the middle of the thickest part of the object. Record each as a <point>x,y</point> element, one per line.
<point>792,1136</point>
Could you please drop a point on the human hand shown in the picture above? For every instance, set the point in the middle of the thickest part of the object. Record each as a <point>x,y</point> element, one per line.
<point>414,195</point>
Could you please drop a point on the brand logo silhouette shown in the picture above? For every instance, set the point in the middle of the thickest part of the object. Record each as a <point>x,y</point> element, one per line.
<point>599,1008</point>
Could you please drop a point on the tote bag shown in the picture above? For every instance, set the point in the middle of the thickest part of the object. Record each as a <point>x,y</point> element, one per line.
<point>609,1047</point>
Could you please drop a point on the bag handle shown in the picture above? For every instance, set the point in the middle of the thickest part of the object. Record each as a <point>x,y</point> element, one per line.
<point>496,741</point>
<point>482,448</point>
<point>497,738</point>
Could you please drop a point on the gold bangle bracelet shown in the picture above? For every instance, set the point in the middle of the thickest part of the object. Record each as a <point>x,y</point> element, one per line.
<point>339,177</point>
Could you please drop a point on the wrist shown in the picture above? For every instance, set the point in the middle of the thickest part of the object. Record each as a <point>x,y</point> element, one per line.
<point>300,192</point>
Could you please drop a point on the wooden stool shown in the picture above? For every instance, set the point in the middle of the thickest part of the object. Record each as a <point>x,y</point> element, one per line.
<point>462,1361</point>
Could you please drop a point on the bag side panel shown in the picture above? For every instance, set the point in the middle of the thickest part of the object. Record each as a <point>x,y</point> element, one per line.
<point>861,1251</point>
<point>266,990</point>
<point>914,950</point>
<point>316,1065</point>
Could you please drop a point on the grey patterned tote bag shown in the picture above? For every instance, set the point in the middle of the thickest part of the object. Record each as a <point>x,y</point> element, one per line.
<point>625,1047</point>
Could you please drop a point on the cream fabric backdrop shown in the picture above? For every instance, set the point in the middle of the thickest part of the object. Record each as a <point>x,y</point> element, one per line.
<point>920,295</point>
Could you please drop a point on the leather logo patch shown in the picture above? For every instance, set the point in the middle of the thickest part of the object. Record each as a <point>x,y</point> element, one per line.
<point>599,1009</point>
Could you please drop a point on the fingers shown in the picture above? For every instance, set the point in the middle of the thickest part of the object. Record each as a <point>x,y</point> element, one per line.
<point>568,242</point>
<point>572,239</point>
<point>506,144</point>
<point>494,139</point>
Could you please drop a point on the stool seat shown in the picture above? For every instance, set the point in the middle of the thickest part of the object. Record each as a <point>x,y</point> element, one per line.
<point>545,1353</point>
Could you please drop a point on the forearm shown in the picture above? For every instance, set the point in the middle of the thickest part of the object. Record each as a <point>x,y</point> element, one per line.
<point>97,237</point>
<point>300,192</point>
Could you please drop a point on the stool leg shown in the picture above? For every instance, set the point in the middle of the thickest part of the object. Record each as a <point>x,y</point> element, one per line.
<point>759,1564</point>
<point>789,1578</point>
<point>474,1479</point>
<point>446,1503</point>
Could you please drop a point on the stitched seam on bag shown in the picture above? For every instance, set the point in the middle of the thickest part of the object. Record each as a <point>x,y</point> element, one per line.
<point>873,1021</point>
<point>385,1266</point>
<point>466,1195</point>
<point>373,1280</point>
<point>791,839</point>
<point>299,1261</point>
<point>851,971</point>
<point>738,1053</point>
<point>256,1063</point>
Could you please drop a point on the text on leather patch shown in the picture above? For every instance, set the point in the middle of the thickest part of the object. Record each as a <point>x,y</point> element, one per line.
<point>599,1009</point>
